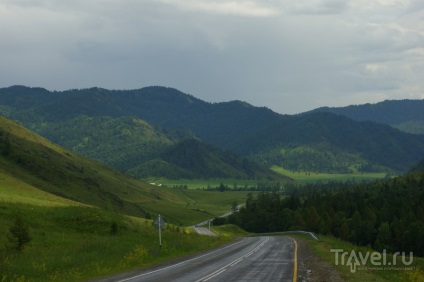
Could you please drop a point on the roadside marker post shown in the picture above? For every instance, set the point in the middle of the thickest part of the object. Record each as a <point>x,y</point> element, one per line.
<point>160,224</point>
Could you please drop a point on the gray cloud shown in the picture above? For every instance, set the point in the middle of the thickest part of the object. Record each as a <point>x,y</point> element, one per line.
<point>290,56</point>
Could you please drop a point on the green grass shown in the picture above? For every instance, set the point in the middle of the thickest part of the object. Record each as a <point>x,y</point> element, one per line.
<point>45,184</point>
<point>229,230</point>
<point>14,190</point>
<point>322,248</point>
<point>36,169</point>
<point>75,243</point>
<point>193,206</point>
<point>310,177</point>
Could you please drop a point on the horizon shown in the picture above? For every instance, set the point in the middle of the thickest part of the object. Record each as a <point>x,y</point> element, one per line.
<point>212,102</point>
<point>287,56</point>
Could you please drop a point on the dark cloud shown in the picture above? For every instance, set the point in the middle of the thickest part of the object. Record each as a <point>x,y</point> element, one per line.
<point>290,56</point>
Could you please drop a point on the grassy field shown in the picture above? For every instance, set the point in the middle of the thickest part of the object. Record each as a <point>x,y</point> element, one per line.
<point>189,207</point>
<point>45,185</point>
<point>299,177</point>
<point>389,271</point>
<point>182,207</point>
<point>71,243</point>
<point>229,230</point>
<point>76,242</point>
<point>310,177</point>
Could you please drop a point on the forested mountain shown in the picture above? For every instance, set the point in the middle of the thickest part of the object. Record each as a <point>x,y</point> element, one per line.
<point>406,115</point>
<point>142,150</point>
<point>321,142</point>
<point>326,142</point>
<point>35,171</point>
<point>193,158</point>
<point>123,142</point>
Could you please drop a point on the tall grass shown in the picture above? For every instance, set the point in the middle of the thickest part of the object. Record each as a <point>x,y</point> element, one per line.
<point>79,243</point>
<point>368,272</point>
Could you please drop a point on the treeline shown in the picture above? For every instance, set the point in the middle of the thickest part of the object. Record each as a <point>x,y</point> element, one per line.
<point>382,215</point>
<point>260,186</point>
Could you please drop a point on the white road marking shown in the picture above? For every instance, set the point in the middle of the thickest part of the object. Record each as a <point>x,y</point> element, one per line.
<point>174,265</point>
<point>234,262</point>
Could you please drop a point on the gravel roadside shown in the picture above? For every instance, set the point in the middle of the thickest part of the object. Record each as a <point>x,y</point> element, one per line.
<point>313,268</point>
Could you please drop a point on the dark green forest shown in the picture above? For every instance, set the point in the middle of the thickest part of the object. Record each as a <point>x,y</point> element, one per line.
<point>383,215</point>
<point>99,123</point>
<point>141,150</point>
<point>406,115</point>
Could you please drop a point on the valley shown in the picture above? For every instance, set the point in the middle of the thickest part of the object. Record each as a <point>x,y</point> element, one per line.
<point>88,170</point>
<point>228,140</point>
<point>86,219</point>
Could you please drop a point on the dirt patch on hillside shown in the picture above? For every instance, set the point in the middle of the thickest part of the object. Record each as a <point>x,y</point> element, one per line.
<point>313,268</point>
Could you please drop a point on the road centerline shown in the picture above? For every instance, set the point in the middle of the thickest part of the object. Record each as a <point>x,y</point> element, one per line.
<point>177,264</point>
<point>234,262</point>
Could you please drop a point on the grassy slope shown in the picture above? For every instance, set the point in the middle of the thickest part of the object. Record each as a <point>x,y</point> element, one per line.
<point>13,190</point>
<point>38,163</point>
<point>73,241</point>
<point>322,248</point>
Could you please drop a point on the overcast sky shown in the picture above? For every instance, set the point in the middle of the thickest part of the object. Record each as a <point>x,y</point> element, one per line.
<point>290,56</point>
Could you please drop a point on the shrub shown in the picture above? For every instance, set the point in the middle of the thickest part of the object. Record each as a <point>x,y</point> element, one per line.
<point>18,235</point>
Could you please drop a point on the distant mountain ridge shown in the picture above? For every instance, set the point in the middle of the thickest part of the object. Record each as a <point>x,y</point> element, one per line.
<point>419,166</point>
<point>406,115</point>
<point>309,142</point>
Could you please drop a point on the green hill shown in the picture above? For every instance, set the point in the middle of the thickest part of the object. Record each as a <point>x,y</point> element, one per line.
<point>123,143</point>
<point>34,170</point>
<point>75,212</point>
<point>196,158</point>
<point>141,150</point>
<point>321,142</point>
<point>42,164</point>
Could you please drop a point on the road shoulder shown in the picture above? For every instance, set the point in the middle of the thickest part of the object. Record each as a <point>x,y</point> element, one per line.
<point>313,268</point>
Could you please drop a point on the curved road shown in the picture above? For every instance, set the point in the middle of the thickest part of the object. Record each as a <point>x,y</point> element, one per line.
<point>204,231</point>
<point>251,259</point>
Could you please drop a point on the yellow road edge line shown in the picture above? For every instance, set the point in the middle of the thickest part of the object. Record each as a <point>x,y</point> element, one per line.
<point>295,260</point>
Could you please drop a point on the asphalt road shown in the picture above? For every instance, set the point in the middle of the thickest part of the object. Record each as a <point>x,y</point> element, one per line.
<point>251,259</point>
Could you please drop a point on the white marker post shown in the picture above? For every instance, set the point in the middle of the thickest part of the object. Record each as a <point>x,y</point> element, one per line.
<point>160,224</point>
<point>160,237</point>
